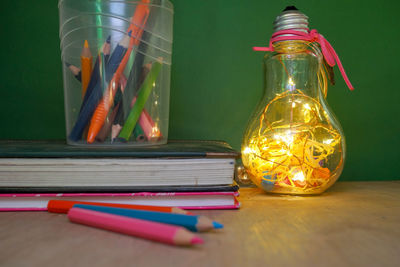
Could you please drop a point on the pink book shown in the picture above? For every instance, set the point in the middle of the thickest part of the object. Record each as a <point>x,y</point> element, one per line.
<point>185,200</point>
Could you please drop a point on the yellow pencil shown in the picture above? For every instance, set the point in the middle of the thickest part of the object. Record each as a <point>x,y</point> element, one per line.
<point>86,66</point>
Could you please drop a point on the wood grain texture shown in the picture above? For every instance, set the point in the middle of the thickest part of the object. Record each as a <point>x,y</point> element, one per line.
<point>352,224</point>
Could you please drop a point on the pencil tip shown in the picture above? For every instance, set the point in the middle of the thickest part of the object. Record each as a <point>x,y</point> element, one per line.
<point>86,45</point>
<point>196,240</point>
<point>108,39</point>
<point>217,225</point>
<point>67,64</point>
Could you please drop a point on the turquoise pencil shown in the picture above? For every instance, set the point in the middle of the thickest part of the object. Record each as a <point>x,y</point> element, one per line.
<point>190,222</point>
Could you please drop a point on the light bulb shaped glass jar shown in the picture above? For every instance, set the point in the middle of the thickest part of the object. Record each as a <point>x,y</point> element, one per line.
<point>293,143</point>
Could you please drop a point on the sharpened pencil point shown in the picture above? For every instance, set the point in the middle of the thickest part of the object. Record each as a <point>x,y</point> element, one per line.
<point>108,39</point>
<point>67,64</point>
<point>86,44</point>
<point>218,225</point>
<point>196,240</point>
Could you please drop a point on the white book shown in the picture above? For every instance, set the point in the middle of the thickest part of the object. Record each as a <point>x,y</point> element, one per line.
<point>54,164</point>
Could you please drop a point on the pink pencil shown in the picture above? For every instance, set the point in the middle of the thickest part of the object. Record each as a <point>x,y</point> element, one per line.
<point>141,228</point>
<point>151,132</point>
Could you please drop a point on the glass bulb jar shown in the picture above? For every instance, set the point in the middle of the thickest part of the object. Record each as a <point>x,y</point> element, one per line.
<point>293,143</point>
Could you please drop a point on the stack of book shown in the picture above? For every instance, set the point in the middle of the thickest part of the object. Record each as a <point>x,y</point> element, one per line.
<point>186,174</point>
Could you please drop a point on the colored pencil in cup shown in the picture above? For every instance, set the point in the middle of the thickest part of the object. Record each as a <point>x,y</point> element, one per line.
<point>92,97</point>
<point>75,71</point>
<point>102,108</point>
<point>116,57</point>
<point>138,133</point>
<point>86,66</point>
<point>138,20</point>
<point>94,83</point>
<point>135,31</point>
<point>190,222</point>
<point>106,129</point>
<point>141,99</point>
<point>149,128</point>
<point>165,233</point>
<point>63,206</point>
<point>146,128</point>
<point>118,121</point>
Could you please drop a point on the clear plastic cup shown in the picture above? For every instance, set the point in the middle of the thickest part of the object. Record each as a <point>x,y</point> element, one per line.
<point>116,89</point>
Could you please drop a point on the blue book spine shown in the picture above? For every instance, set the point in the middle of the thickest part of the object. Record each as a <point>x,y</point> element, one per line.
<point>187,221</point>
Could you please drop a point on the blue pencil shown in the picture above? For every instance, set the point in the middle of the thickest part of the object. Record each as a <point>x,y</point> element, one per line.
<point>116,56</point>
<point>94,93</point>
<point>191,222</point>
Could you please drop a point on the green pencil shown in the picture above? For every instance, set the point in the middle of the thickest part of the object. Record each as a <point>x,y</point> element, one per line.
<point>138,133</point>
<point>141,99</point>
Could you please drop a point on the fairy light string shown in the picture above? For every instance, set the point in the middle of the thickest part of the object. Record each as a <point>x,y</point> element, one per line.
<point>294,156</point>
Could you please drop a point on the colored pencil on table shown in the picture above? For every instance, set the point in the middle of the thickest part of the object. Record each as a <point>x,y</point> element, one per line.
<point>86,66</point>
<point>190,222</point>
<point>63,206</point>
<point>141,99</point>
<point>75,71</point>
<point>155,231</point>
<point>135,31</point>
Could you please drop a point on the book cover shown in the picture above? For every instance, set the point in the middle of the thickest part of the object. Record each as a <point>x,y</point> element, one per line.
<point>119,189</point>
<point>60,149</point>
<point>185,200</point>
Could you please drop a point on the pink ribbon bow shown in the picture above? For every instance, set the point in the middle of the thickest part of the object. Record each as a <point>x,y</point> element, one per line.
<point>313,36</point>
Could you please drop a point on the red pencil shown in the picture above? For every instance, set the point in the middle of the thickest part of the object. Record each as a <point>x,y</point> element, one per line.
<point>63,206</point>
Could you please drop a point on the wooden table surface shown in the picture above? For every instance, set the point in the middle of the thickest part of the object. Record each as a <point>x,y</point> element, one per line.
<point>352,224</point>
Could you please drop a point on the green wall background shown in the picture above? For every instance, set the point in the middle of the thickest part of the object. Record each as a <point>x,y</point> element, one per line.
<point>217,78</point>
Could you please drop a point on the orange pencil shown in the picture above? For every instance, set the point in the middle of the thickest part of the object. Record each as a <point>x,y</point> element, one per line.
<point>63,206</point>
<point>86,66</point>
<point>135,32</point>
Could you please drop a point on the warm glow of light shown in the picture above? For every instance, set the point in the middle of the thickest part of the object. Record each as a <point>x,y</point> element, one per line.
<point>328,141</point>
<point>291,85</point>
<point>155,132</point>
<point>287,138</point>
<point>298,177</point>
<point>307,106</point>
<point>247,150</point>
